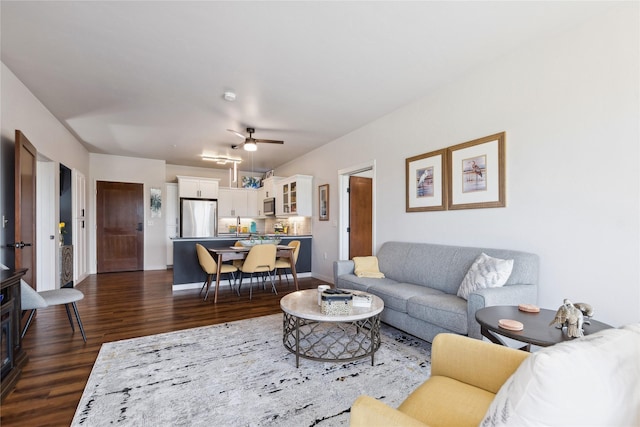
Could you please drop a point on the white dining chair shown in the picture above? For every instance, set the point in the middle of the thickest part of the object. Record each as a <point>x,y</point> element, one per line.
<point>31,301</point>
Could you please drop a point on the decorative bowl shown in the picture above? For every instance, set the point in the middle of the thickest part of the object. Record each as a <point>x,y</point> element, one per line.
<point>252,242</point>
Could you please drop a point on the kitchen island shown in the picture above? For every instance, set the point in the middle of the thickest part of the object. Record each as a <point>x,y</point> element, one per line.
<point>187,273</point>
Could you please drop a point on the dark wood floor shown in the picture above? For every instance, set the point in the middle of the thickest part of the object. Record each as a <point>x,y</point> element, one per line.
<point>116,306</point>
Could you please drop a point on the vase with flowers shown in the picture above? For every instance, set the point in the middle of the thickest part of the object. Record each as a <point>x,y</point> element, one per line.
<point>63,231</point>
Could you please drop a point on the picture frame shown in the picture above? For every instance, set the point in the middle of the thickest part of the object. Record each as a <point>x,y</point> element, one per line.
<point>476,173</point>
<point>155,202</point>
<point>426,183</point>
<point>251,182</point>
<point>323,202</point>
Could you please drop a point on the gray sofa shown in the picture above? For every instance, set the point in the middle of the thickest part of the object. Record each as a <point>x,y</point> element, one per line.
<point>421,282</point>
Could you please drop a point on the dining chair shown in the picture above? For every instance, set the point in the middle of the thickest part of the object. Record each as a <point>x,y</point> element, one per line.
<point>283,263</point>
<point>260,259</point>
<point>210,267</point>
<point>238,262</point>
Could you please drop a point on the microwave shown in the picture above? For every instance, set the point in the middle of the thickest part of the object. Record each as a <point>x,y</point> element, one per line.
<point>269,206</point>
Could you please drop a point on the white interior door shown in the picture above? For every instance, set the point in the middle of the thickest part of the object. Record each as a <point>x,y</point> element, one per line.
<point>79,210</point>
<point>46,225</point>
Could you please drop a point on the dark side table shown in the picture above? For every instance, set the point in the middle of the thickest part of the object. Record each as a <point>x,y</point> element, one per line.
<point>536,326</point>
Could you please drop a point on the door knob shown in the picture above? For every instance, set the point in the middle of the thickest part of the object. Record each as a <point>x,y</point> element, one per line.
<point>18,245</point>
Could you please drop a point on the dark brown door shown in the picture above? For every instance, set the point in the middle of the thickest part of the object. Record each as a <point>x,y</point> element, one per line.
<point>120,231</point>
<point>360,216</point>
<point>25,207</point>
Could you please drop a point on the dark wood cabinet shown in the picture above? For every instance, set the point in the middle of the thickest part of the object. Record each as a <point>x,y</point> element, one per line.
<point>13,356</point>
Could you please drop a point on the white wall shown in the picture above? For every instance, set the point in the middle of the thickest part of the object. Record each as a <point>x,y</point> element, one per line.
<point>570,107</point>
<point>149,172</point>
<point>20,109</point>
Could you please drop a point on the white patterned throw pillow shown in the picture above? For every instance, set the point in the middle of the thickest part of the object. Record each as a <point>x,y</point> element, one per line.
<point>486,272</point>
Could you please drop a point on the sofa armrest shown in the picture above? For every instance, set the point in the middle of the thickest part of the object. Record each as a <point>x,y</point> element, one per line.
<point>505,295</point>
<point>367,412</point>
<point>340,268</point>
<point>474,362</point>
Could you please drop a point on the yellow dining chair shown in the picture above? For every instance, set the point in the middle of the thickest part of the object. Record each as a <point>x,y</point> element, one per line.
<point>261,259</point>
<point>284,263</point>
<point>210,267</point>
<point>238,262</point>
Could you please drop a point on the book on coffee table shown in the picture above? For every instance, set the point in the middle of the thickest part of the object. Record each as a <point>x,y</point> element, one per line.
<point>361,300</point>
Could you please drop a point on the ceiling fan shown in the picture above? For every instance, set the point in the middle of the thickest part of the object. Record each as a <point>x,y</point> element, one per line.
<point>250,142</point>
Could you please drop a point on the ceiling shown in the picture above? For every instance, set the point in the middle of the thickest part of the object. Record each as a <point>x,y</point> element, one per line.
<point>146,78</point>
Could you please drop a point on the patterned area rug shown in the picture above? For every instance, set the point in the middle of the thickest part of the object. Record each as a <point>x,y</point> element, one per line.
<point>240,374</point>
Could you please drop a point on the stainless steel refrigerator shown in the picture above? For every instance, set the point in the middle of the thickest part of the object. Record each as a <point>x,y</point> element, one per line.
<point>198,218</point>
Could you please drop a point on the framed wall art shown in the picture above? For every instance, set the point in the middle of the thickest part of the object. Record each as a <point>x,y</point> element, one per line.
<point>155,199</point>
<point>426,185</point>
<point>323,202</point>
<point>251,182</point>
<point>476,173</point>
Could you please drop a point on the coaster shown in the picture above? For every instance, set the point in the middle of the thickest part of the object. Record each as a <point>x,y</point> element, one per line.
<point>511,325</point>
<point>529,308</point>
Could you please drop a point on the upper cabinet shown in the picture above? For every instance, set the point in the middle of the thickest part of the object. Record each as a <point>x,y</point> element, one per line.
<point>294,196</point>
<point>240,202</point>
<point>198,188</point>
<point>268,188</point>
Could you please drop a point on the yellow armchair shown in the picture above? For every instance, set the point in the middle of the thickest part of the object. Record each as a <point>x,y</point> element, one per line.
<point>466,374</point>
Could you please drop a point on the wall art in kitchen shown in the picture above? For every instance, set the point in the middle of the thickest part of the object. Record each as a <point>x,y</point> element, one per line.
<point>251,181</point>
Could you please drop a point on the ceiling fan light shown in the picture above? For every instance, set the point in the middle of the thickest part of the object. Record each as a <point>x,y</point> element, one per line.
<point>250,146</point>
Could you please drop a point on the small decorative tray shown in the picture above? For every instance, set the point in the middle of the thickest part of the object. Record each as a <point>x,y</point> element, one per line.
<point>529,308</point>
<point>510,325</point>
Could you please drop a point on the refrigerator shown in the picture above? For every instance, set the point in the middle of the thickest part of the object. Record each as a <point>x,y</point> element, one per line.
<point>198,218</point>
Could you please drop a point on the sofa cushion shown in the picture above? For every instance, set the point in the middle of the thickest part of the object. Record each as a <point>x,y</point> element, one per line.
<point>590,381</point>
<point>485,272</point>
<point>367,266</point>
<point>441,309</point>
<point>351,281</point>
<point>395,296</point>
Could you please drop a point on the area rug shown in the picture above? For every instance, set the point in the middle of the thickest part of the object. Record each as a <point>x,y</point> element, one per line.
<point>240,374</point>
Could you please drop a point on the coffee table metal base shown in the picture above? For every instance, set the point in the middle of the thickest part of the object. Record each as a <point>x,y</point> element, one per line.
<point>331,341</point>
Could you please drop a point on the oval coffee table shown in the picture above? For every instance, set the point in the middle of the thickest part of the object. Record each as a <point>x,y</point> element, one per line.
<point>536,326</point>
<point>310,334</point>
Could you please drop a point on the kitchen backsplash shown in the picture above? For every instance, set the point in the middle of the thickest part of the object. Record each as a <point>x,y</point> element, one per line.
<point>294,225</point>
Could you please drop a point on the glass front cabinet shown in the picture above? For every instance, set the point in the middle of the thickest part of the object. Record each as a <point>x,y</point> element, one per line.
<point>296,196</point>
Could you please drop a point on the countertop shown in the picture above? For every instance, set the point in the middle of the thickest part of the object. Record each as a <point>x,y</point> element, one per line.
<point>232,236</point>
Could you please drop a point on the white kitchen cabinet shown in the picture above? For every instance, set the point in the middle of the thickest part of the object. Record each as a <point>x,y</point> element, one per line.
<point>254,204</point>
<point>171,214</point>
<point>198,188</point>
<point>269,187</point>
<point>294,194</point>
<point>240,202</point>
<point>232,203</point>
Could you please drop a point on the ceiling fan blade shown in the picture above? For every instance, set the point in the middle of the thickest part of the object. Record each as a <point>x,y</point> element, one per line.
<point>235,132</point>
<point>235,147</point>
<point>269,141</point>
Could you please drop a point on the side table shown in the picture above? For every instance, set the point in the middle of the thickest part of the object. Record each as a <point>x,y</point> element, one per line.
<point>536,326</point>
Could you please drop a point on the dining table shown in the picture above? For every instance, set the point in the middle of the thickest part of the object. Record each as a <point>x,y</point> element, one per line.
<point>231,253</point>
